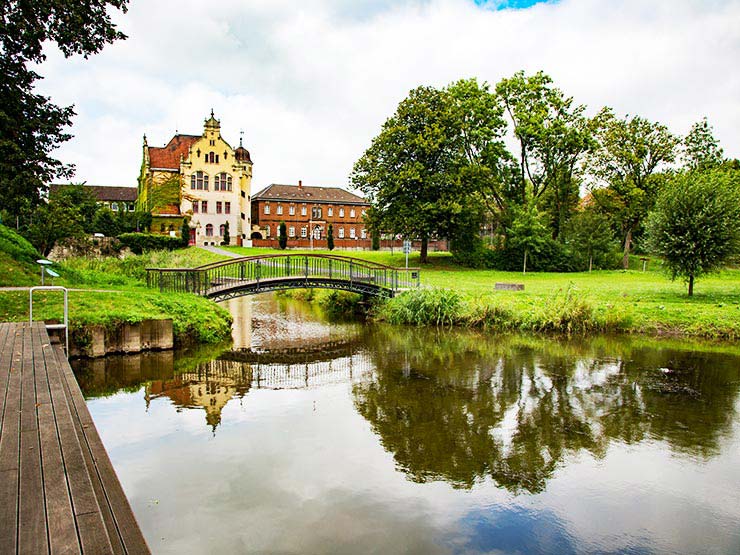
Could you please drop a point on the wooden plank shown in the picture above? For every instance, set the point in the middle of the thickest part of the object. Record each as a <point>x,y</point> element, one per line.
<point>61,523</point>
<point>9,449</point>
<point>7,340</point>
<point>32,533</point>
<point>84,501</point>
<point>127,527</point>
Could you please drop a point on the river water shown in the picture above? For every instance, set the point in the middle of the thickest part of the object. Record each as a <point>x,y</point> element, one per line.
<point>306,436</point>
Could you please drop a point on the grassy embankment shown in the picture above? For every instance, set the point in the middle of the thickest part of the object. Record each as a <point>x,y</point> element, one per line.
<point>109,292</point>
<point>603,301</point>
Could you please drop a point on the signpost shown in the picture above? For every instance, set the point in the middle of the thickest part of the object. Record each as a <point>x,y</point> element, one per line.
<point>407,250</point>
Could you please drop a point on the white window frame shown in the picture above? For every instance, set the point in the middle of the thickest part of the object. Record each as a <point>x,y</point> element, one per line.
<point>352,213</point>
<point>330,211</point>
<point>352,234</point>
<point>291,231</point>
<point>303,210</point>
<point>304,232</point>
<point>341,233</point>
<point>267,208</point>
<point>341,212</point>
<point>291,209</point>
<point>279,210</point>
<point>363,233</point>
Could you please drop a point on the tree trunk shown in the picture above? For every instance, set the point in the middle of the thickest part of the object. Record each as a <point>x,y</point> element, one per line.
<point>424,249</point>
<point>525,261</point>
<point>627,246</point>
<point>691,285</point>
<point>590,263</point>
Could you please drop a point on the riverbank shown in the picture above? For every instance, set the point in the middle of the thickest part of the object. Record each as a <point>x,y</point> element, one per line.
<point>631,301</point>
<point>110,292</point>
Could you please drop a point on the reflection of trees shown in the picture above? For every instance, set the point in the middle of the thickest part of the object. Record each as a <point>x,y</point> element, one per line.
<point>460,407</point>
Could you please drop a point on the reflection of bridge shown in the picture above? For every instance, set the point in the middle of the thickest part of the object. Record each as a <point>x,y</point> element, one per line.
<point>272,272</point>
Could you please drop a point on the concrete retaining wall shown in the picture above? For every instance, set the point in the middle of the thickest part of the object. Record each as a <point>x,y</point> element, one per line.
<point>97,341</point>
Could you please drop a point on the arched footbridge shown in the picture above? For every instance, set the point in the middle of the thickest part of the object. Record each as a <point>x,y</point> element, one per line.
<point>272,272</point>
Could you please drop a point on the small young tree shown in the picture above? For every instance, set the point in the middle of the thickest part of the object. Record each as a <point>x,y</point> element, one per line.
<point>227,237</point>
<point>330,237</point>
<point>695,225</point>
<point>185,233</point>
<point>282,236</point>
<point>375,236</point>
<point>527,232</point>
<point>589,235</point>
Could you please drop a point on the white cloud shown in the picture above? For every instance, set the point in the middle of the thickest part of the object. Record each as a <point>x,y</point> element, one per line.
<point>311,83</point>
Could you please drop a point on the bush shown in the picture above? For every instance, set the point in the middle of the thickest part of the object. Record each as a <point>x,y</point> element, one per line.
<point>16,246</point>
<point>282,236</point>
<point>423,307</point>
<point>141,242</point>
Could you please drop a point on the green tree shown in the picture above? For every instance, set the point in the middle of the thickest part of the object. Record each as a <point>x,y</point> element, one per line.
<point>31,126</point>
<point>589,236</point>
<point>330,237</point>
<point>105,222</point>
<point>53,222</point>
<point>629,152</point>
<point>227,237</point>
<point>282,236</point>
<point>82,198</point>
<point>185,233</point>
<point>436,164</point>
<point>701,151</point>
<point>527,232</point>
<point>552,135</point>
<point>695,226</point>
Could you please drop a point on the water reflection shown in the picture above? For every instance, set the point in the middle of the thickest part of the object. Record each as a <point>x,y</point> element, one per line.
<point>455,407</point>
<point>309,437</point>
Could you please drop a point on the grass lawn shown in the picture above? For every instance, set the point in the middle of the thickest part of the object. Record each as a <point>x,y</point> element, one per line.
<point>644,302</point>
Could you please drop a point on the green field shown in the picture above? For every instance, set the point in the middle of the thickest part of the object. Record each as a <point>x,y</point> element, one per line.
<point>629,301</point>
<point>632,301</point>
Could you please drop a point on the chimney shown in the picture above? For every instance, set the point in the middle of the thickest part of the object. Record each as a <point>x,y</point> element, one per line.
<point>300,184</point>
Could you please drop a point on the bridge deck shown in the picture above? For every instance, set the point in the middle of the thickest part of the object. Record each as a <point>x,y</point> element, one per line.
<point>58,490</point>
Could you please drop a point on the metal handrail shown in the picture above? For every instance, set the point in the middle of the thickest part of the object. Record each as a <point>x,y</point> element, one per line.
<point>65,325</point>
<point>210,278</point>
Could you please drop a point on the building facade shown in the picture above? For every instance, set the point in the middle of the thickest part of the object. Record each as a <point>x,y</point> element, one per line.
<point>307,213</point>
<point>202,179</point>
<point>118,199</point>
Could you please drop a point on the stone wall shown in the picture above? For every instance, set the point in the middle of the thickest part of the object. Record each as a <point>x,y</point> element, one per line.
<point>97,341</point>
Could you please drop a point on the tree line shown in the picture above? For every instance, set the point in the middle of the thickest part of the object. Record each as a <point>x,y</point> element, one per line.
<point>518,176</point>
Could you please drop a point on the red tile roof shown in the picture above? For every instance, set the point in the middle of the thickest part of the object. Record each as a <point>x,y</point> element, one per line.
<point>104,193</point>
<point>168,157</point>
<point>331,195</point>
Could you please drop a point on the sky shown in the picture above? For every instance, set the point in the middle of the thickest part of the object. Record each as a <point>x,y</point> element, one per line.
<point>311,83</point>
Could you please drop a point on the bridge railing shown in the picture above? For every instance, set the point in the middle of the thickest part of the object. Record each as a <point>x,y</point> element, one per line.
<point>219,276</point>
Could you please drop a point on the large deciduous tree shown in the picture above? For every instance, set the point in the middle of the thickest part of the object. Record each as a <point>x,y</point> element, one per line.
<point>552,134</point>
<point>436,163</point>
<point>701,150</point>
<point>31,126</point>
<point>629,153</point>
<point>695,226</point>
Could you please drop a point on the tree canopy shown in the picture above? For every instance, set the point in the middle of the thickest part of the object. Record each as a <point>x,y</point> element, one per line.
<point>695,226</point>
<point>31,126</point>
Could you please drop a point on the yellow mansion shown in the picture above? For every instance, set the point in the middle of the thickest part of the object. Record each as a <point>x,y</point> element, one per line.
<point>201,179</point>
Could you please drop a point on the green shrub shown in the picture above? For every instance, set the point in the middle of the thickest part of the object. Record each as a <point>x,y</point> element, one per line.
<point>16,246</point>
<point>423,307</point>
<point>141,242</point>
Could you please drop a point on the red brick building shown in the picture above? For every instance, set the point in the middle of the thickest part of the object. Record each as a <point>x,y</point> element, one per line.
<point>307,213</point>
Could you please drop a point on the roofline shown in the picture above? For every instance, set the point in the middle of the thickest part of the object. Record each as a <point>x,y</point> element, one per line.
<point>306,201</point>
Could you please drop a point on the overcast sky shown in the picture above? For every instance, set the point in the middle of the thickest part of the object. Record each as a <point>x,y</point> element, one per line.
<point>310,83</point>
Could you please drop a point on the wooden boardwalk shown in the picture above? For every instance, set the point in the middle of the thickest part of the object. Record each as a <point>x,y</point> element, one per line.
<point>58,490</point>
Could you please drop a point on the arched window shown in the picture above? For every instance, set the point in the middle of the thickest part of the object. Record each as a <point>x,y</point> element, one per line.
<point>316,212</point>
<point>222,230</point>
<point>222,182</point>
<point>209,230</point>
<point>317,232</point>
<point>199,180</point>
